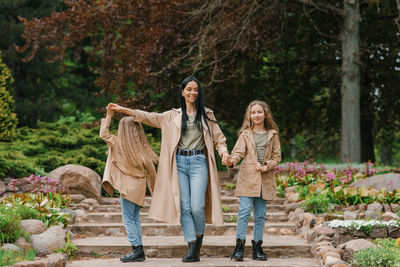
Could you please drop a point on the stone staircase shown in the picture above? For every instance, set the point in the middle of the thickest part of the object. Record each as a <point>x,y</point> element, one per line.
<point>102,233</point>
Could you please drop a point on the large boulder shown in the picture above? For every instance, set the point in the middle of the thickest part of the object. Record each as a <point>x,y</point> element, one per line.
<point>79,180</point>
<point>390,181</point>
<point>33,226</point>
<point>48,241</point>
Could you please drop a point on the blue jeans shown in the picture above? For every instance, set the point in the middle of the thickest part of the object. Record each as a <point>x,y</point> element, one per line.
<point>260,208</point>
<point>131,219</point>
<point>192,179</point>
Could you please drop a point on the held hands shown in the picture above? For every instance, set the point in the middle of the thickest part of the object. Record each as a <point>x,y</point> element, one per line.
<point>260,168</point>
<point>227,159</point>
<point>115,107</point>
<point>110,112</point>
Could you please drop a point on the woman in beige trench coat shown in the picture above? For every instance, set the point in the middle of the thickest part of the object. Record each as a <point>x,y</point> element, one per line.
<point>187,189</point>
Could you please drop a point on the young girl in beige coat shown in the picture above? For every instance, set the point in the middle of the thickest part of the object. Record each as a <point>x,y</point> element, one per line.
<point>258,144</point>
<point>130,163</point>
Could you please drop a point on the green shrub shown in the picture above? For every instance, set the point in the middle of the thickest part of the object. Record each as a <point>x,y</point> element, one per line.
<point>10,228</point>
<point>8,118</point>
<point>317,203</point>
<point>384,254</point>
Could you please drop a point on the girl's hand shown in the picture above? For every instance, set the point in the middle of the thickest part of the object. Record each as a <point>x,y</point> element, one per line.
<point>258,166</point>
<point>110,112</point>
<point>116,107</point>
<point>227,159</point>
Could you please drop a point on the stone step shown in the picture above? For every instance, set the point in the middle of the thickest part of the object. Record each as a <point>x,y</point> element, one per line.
<point>226,208</point>
<point>113,217</point>
<point>163,229</point>
<point>225,200</point>
<point>176,247</point>
<point>204,262</point>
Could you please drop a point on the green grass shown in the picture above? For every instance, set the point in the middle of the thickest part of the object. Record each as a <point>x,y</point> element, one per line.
<point>10,257</point>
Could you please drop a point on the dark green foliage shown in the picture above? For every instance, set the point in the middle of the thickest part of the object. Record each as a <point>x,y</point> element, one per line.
<point>52,145</point>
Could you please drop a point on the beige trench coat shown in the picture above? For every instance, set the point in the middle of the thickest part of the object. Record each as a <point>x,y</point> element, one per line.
<point>130,181</point>
<point>250,181</point>
<point>165,204</point>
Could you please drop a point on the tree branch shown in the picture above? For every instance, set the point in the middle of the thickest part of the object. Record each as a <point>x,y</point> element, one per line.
<point>322,6</point>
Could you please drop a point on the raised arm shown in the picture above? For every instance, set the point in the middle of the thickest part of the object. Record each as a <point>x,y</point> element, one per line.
<point>150,118</point>
<point>105,128</point>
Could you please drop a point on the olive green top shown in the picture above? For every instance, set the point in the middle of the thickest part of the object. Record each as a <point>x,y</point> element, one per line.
<point>260,140</point>
<point>193,138</point>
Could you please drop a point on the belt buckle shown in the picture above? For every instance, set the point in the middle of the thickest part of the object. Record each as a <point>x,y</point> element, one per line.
<point>185,152</point>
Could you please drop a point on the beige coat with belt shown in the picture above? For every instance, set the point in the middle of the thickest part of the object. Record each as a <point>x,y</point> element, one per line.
<point>165,204</point>
<point>130,181</point>
<point>250,181</point>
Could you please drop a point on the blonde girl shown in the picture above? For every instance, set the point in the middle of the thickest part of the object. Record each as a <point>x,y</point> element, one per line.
<point>258,145</point>
<point>130,164</point>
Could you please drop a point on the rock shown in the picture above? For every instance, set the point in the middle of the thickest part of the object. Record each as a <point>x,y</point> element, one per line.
<point>350,208</point>
<point>291,207</point>
<point>272,230</point>
<point>76,198</point>
<point>309,220</point>
<point>395,207</point>
<point>387,216</point>
<point>390,181</point>
<point>393,232</point>
<point>293,197</point>
<point>285,231</point>
<point>53,238</point>
<point>362,207</point>
<point>53,260</point>
<point>329,261</point>
<point>386,207</point>
<point>325,250</point>
<point>350,215</point>
<point>10,247</point>
<point>324,230</point>
<point>375,206</point>
<point>79,180</point>
<point>21,242</point>
<point>352,247</point>
<point>378,233</point>
<point>291,189</point>
<point>340,264</point>
<point>33,226</point>
<point>372,214</point>
<point>331,254</point>
<point>90,202</point>
<point>3,187</point>
<point>310,235</point>
<point>72,213</point>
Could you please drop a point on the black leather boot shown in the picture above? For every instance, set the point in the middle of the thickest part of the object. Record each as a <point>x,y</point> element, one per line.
<point>137,254</point>
<point>199,242</point>
<point>239,250</point>
<point>258,253</point>
<point>191,255</point>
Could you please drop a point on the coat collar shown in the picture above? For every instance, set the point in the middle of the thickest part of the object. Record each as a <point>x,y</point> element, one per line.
<point>178,119</point>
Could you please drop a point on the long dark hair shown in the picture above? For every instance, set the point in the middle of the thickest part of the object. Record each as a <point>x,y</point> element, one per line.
<point>200,104</point>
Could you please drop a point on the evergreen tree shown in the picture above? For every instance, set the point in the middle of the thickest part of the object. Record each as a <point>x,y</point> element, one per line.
<point>8,118</point>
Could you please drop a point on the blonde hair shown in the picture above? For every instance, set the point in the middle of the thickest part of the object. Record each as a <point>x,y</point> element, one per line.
<point>133,146</point>
<point>269,122</point>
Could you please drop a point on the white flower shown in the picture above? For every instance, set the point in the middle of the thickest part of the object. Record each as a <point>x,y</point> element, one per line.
<point>357,224</point>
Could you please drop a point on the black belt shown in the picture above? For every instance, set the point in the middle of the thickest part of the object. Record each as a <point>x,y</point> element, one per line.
<point>189,152</point>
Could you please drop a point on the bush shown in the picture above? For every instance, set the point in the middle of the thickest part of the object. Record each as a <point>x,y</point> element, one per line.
<point>8,118</point>
<point>317,203</point>
<point>384,254</point>
<point>10,228</point>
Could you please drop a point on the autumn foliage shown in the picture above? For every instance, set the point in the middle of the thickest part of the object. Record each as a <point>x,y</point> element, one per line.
<point>137,44</point>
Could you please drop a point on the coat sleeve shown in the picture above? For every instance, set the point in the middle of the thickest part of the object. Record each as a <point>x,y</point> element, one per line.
<point>110,139</point>
<point>239,150</point>
<point>152,119</point>
<point>276,154</point>
<point>219,140</point>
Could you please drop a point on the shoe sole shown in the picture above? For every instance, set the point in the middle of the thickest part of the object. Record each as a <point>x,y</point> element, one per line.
<point>136,260</point>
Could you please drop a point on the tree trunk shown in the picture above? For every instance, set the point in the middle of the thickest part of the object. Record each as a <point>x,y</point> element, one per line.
<point>350,148</point>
